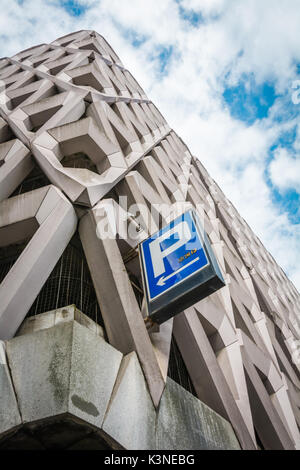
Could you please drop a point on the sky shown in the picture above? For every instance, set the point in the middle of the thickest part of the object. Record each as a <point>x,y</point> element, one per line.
<point>226,76</point>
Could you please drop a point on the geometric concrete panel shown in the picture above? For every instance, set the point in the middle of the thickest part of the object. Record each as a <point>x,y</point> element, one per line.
<point>185,423</point>
<point>35,118</point>
<point>64,369</point>
<point>72,109</point>
<point>9,413</point>
<point>15,164</point>
<point>208,378</point>
<point>47,217</point>
<point>90,40</point>
<point>41,362</point>
<point>75,391</point>
<point>130,418</point>
<point>95,365</point>
<point>56,317</point>
<point>121,314</point>
<point>270,427</point>
<point>24,91</point>
<point>93,137</point>
<point>109,80</point>
<point>15,161</point>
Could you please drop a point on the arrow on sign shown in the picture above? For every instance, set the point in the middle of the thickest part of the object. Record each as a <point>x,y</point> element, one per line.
<point>162,281</point>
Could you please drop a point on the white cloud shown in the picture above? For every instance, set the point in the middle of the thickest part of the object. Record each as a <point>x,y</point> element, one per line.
<point>261,38</point>
<point>285,170</point>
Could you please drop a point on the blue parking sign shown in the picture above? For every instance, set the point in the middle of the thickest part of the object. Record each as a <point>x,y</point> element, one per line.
<point>176,262</point>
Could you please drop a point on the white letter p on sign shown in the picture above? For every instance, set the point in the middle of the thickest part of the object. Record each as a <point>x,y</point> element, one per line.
<point>157,255</point>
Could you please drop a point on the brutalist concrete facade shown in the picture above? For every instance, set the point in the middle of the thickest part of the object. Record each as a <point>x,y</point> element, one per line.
<point>74,115</point>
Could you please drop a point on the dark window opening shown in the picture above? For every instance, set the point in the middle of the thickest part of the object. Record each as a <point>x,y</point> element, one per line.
<point>69,283</point>
<point>137,288</point>
<point>36,179</point>
<point>177,369</point>
<point>79,160</point>
<point>258,441</point>
<point>8,257</point>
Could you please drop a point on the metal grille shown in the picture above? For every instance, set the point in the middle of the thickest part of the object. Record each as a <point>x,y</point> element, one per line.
<point>177,369</point>
<point>8,256</point>
<point>69,283</point>
<point>36,179</point>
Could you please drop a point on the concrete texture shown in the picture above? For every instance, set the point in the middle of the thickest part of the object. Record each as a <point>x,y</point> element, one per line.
<point>73,109</point>
<point>185,423</point>
<point>95,365</point>
<point>56,317</point>
<point>121,314</point>
<point>75,391</point>
<point>9,412</point>
<point>64,369</point>
<point>47,218</point>
<point>131,417</point>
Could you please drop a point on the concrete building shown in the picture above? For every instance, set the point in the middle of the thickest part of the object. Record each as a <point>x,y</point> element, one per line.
<point>80,368</point>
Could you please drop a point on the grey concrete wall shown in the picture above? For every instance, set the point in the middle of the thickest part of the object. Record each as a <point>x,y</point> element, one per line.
<point>75,95</point>
<point>9,412</point>
<point>66,375</point>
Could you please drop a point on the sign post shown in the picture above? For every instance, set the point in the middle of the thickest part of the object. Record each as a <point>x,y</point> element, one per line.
<point>179,268</point>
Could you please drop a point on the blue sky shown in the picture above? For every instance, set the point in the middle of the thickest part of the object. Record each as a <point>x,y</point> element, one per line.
<point>222,73</point>
<point>73,8</point>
